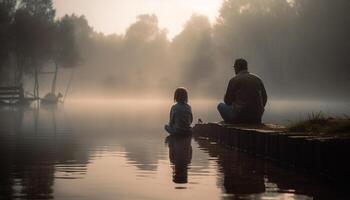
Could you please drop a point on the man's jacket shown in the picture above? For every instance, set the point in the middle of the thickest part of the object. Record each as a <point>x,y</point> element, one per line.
<point>247,94</point>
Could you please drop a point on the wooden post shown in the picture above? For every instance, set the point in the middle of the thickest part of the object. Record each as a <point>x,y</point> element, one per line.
<point>68,86</point>
<point>36,84</point>
<point>54,80</point>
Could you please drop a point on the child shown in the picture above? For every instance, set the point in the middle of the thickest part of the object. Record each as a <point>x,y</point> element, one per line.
<point>180,114</point>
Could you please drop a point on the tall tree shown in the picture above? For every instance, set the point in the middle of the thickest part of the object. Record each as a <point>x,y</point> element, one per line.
<point>65,50</point>
<point>65,53</point>
<point>193,52</point>
<point>34,32</point>
<point>145,50</point>
<point>7,8</point>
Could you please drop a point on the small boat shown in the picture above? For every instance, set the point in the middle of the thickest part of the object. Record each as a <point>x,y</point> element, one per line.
<point>51,99</point>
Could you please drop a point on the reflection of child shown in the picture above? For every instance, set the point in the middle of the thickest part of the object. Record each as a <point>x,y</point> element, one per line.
<point>180,114</point>
<point>180,155</point>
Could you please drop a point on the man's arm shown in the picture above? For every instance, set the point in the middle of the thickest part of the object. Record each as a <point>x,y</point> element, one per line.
<point>264,94</point>
<point>191,116</point>
<point>191,119</point>
<point>172,117</point>
<point>229,97</point>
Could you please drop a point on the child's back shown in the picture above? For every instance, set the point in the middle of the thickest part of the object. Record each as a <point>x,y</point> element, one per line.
<point>181,117</point>
<point>180,114</point>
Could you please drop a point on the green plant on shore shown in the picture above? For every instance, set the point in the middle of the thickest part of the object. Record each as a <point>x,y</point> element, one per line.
<point>321,124</point>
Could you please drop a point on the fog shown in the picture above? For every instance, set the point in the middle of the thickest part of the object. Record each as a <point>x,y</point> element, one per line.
<point>115,16</point>
<point>298,47</point>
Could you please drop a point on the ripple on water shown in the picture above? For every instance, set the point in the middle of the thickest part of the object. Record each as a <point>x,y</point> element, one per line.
<point>104,152</point>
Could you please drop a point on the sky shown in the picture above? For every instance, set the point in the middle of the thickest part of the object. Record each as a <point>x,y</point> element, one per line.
<point>114,16</point>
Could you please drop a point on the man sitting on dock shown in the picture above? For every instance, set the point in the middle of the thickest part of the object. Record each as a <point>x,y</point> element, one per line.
<point>245,98</point>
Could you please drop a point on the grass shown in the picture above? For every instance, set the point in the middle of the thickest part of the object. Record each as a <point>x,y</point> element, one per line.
<point>322,124</point>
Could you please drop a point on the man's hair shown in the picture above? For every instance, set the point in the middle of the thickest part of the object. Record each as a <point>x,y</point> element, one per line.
<point>181,95</point>
<point>241,64</point>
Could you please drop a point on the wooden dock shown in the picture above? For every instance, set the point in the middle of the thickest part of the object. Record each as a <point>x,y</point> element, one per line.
<point>321,155</point>
<point>14,96</point>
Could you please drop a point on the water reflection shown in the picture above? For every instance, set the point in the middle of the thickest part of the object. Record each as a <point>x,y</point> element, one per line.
<point>117,150</point>
<point>180,155</point>
<point>29,152</point>
<point>245,177</point>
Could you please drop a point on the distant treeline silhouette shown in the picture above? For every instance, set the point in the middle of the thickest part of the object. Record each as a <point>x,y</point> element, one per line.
<point>299,47</point>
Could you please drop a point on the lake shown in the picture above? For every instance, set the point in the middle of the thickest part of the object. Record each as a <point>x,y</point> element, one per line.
<point>117,149</point>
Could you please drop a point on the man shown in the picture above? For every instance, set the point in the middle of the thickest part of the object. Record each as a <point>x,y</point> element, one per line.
<point>245,98</point>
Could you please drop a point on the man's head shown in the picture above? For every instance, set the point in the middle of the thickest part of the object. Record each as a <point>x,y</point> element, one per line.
<point>240,65</point>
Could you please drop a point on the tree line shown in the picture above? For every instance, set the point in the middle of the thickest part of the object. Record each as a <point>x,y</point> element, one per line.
<point>32,39</point>
<point>296,46</point>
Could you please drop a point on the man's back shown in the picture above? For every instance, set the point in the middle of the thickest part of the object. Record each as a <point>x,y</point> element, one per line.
<point>246,92</point>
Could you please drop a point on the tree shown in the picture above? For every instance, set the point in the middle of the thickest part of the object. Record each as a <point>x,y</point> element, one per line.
<point>323,29</point>
<point>193,52</point>
<point>83,35</point>
<point>65,46</point>
<point>145,50</point>
<point>65,50</point>
<point>33,30</point>
<point>7,8</point>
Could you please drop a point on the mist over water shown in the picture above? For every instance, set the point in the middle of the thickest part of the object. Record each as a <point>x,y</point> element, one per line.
<point>276,111</point>
<point>118,148</point>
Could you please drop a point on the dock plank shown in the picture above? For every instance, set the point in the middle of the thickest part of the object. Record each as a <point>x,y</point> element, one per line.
<point>313,153</point>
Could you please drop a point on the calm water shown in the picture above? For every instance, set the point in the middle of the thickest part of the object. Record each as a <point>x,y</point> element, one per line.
<point>118,150</point>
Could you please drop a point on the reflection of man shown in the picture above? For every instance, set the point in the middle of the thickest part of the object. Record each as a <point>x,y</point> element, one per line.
<point>245,97</point>
<point>180,155</point>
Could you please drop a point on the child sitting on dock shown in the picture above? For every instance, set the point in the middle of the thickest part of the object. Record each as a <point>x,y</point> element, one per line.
<point>180,114</point>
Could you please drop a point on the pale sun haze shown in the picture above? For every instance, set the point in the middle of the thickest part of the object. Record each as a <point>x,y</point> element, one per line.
<point>115,16</point>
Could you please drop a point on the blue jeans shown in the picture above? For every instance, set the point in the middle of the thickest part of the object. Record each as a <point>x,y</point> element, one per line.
<point>227,112</point>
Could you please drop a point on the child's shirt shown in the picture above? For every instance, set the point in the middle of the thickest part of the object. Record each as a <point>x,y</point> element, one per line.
<point>181,117</point>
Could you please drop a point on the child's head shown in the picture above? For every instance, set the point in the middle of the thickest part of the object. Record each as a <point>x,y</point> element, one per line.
<point>181,95</point>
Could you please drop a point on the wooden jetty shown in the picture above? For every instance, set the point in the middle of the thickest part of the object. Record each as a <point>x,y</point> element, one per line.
<point>14,96</point>
<point>325,156</point>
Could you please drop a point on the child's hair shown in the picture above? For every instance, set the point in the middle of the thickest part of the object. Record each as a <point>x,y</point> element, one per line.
<point>181,95</point>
